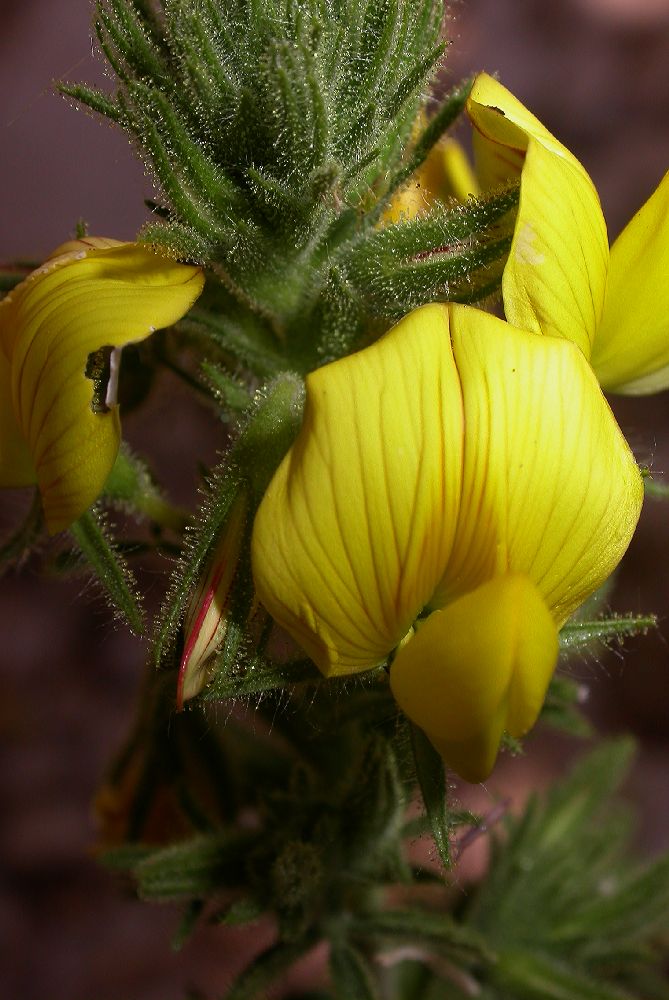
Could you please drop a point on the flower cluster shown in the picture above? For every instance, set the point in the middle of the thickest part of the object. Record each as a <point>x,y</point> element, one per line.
<point>457,489</point>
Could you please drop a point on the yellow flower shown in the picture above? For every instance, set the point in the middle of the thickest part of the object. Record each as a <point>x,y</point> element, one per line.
<point>462,469</point>
<point>61,332</point>
<point>560,278</point>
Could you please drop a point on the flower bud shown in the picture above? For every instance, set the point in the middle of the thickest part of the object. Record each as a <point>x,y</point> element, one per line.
<point>206,619</point>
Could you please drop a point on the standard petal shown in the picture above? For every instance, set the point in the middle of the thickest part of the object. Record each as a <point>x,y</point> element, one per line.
<point>631,349</point>
<point>75,304</point>
<point>480,666</point>
<point>357,524</point>
<point>555,278</point>
<point>550,487</point>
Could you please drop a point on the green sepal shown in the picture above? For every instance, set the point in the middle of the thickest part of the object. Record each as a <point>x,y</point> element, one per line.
<point>297,117</point>
<point>255,675</point>
<point>603,631</point>
<point>93,99</point>
<point>447,254</point>
<point>424,69</point>
<point>130,486</point>
<point>351,973</point>
<point>432,782</point>
<point>229,391</point>
<point>91,537</point>
<point>123,37</point>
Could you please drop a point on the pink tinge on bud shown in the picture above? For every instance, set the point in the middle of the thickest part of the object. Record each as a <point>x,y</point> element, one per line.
<point>206,619</point>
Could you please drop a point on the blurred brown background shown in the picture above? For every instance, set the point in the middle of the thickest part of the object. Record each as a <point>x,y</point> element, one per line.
<point>597,73</point>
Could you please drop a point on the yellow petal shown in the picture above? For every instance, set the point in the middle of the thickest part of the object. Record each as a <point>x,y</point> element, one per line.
<point>206,621</point>
<point>555,278</point>
<point>550,488</point>
<point>78,302</point>
<point>407,203</point>
<point>357,524</point>
<point>459,180</point>
<point>480,666</point>
<point>631,349</point>
<point>445,175</point>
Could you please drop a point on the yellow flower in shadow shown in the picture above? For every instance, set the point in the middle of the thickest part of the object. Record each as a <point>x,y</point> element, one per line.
<point>445,176</point>
<point>61,334</point>
<point>461,478</point>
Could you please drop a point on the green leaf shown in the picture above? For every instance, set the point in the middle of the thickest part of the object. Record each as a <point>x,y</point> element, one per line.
<point>91,538</point>
<point>352,976</point>
<point>432,781</point>
<point>436,932</point>
<point>266,968</point>
<point>189,920</point>
<point>126,857</point>
<point>376,808</point>
<point>526,976</point>
<point>196,868</point>
<point>562,906</point>
<point>602,631</point>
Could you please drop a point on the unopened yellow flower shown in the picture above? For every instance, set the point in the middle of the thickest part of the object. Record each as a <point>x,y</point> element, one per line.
<point>206,617</point>
<point>560,278</point>
<point>61,331</point>
<point>460,469</point>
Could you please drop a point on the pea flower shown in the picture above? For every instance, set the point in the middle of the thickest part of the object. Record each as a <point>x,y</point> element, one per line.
<point>561,279</point>
<point>61,334</point>
<point>456,491</point>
